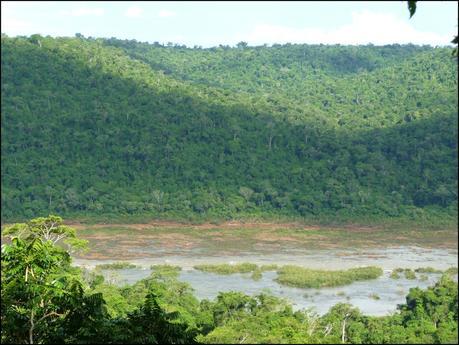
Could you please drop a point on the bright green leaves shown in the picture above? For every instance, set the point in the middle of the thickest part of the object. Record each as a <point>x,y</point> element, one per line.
<point>39,288</point>
<point>49,228</point>
<point>42,296</point>
<point>33,288</point>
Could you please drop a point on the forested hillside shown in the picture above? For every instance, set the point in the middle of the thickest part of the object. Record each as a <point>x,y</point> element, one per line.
<point>101,127</point>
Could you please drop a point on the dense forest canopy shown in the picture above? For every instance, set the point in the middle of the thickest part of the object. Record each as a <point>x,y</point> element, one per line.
<point>106,126</point>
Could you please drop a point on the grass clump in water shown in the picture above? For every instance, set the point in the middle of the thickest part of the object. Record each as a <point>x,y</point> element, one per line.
<point>165,268</point>
<point>427,270</point>
<point>394,275</point>
<point>307,278</point>
<point>159,268</point>
<point>409,274</point>
<point>227,268</point>
<point>257,275</point>
<point>451,270</point>
<point>375,296</point>
<point>271,267</point>
<point>116,266</point>
<point>165,271</point>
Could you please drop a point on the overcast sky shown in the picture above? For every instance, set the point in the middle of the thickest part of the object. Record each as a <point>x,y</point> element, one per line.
<point>213,23</point>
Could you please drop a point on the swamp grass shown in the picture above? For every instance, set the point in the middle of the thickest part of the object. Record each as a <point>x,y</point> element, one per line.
<point>291,275</point>
<point>244,267</point>
<point>165,271</point>
<point>116,266</point>
<point>411,274</point>
<point>374,296</point>
<point>165,268</point>
<point>394,275</point>
<point>451,270</point>
<point>427,270</point>
<point>408,272</point>
<point>307,278</point>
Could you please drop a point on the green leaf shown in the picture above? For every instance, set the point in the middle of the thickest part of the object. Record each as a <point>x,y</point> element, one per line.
<point>412,7</point>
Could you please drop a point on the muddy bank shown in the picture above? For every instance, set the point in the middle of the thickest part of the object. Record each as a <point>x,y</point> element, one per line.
<point>267,243</point>
<point>138,241</point>
<point>387,258</point>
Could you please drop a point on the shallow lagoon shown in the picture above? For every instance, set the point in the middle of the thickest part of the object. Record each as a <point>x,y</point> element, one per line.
<point>185,249</point>
<point>387,258</point>
<point>391,292</point>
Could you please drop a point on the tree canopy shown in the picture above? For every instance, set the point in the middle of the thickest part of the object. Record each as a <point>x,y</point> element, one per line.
<point>104,127</point>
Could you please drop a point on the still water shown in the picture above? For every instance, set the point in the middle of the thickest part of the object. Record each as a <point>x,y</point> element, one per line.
<point>374,297</point>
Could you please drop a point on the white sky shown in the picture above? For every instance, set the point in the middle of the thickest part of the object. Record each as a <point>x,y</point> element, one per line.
<point>214,23</point>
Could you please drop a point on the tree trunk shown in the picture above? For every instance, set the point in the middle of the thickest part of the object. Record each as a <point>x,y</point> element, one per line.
<point>343,335</point>
<point>32,326</point>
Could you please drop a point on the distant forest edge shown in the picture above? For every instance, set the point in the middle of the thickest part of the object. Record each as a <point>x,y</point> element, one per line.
<point>101,127</point>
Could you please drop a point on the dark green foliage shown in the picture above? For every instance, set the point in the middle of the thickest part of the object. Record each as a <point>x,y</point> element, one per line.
<point>412,7</point>
<point>104,127</point>
<point>45,300</point>
<point>429,317</point>
<point>150,324</point>
<point>43,297</point>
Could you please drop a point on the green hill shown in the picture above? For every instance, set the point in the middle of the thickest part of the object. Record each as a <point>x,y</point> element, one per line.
<point>103,127</point>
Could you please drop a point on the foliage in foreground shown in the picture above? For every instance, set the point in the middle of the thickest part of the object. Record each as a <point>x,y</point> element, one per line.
<point>45,300</point>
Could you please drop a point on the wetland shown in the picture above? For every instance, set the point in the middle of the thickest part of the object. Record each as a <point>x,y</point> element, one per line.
<point>251,258</point>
